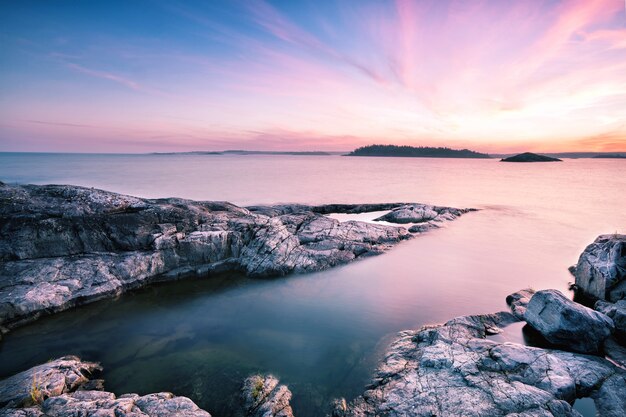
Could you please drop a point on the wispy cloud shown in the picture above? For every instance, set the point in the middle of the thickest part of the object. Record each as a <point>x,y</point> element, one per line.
<point>106,75</point>
<point>43,122</point>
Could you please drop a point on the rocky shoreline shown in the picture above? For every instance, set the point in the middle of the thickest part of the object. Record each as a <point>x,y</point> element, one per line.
<point>63,246</point>
<point>441,370</point>
<point>455,369</point>
<point>71,245</point>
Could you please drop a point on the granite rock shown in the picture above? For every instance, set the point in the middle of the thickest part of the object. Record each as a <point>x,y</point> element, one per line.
<point>65,388</point>
<point>263,396</point>
<point>62,246</point>
<point>454,369</point>
<point>601,269</point>
<point>66,374</point>
<point>518,302</point>
<point>421,213</point>
<point>567,324</point>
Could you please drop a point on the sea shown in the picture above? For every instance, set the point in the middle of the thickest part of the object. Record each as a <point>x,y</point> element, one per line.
<point>322,334</point>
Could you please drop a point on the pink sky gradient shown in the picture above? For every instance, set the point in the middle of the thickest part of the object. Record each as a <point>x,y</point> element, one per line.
<point>493,76</point>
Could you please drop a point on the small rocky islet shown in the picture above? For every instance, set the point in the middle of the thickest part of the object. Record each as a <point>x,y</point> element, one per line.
<point>530,157</point>
<point>449,369</point>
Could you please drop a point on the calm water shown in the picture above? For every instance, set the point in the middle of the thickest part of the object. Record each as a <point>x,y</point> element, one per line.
<point>322,333</point>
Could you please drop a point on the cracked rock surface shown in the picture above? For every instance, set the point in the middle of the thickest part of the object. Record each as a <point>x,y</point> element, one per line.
<point>423,217</point>
<point>601,269</point>
<point>455,369</point>
<point>63,388</point>
<point>62,246</point>
<point>263,396</point>
<point>567,324</point>
<point>63,375</point>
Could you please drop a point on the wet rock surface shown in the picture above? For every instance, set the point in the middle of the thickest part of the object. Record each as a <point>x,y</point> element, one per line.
<point>601,269</point>
<point>455,369</point>
<point>64,388</point>
<point>62,246</point>
<point>567,324</point>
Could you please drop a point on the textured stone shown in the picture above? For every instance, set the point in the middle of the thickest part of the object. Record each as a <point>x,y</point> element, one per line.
<point>100,403</point>
<point>64,388</point>
<point>421,213</point>
<point>454,369</point>
<point>50,379</point>
<point>263,396</point>
<point>601,269</point>
<point>617,313</point>
<point>62,246</point>
<point>518,302</point>
<point>567,324</point>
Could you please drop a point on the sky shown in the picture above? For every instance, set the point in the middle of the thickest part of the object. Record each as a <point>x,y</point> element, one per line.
<point>163,76</point>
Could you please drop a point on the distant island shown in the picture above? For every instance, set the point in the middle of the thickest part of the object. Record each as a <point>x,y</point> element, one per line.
<point>530,157</point>
<point>570,155</point>
<point>244,152</point>
<point>415,152</point>
<point>611,155</point>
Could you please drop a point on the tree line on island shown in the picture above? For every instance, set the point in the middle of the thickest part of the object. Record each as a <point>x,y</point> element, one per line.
<point>416,151</point>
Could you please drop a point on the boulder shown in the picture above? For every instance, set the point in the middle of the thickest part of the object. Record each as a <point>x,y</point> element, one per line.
<point>263,396</point>
<point>601,269</point>
<point>50,379</point>
<point>567,324</point>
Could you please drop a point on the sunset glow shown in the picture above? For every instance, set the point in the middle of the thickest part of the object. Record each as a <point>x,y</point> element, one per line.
<point>493,76</point>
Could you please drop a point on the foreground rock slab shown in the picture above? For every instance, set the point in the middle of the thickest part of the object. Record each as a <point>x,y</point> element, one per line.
<point>63,375</point>
<point>64,388</point>
<point>62,246</point>
<point>567,324</point>
<point>601,269</point>
<point>455,369</point>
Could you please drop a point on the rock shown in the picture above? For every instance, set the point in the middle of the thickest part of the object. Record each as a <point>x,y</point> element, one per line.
<point>63,388</point>
<point>421,213</point>
<point>100,403</point>
<point>50,379</point>
<point>617,313</point>
<point>518,302</point>
<point>615,352</point>
<point>454,369</point>
<point>567,324</point>
<point>423,227</point>
<point>339,407</point>
<point>264,397</point>
<point>601,269</point>
<point>62,246</point>
<point>530,157</point>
